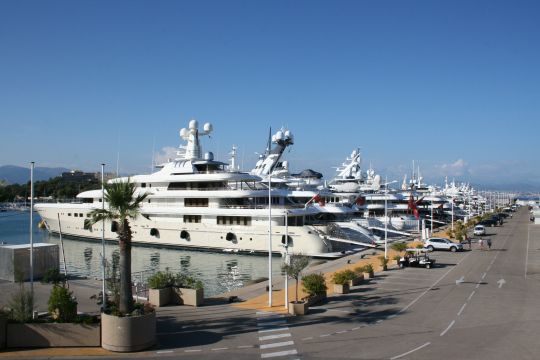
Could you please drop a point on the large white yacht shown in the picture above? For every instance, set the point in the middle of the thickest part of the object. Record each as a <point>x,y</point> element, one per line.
<point>197,202</point>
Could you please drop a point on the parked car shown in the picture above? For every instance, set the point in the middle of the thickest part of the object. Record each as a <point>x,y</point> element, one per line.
<point>442,244</point>
<point>488,222</point>
<point>479,230</point>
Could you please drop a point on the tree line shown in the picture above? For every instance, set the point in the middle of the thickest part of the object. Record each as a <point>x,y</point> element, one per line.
<point>57,188</point>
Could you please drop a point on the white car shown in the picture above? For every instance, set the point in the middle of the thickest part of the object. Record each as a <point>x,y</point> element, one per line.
<point>442,244</point>
<point>479,230</point>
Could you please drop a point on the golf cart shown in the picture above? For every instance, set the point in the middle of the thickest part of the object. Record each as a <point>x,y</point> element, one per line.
<point>416,258</point>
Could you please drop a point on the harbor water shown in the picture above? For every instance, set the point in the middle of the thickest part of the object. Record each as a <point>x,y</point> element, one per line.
<point>219,272</point>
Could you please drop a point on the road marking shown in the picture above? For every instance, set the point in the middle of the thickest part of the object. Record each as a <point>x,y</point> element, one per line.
<point>330,309</point>
<point>245,346</point>
<point>488,268</point>
<point>461,310</point>
<point>432,286</point>
<point>308,338</point>
<point>391,316</point>
<point>477,286</point>
<point>285,328</point>
<point>193,350</point>
<point>271,337</point>
<point>470,296</point>
<point>448,327</point>
<point>355,328</point>
<point>483,276</point>
<point>341,332</point>
<point>460,280</point>
<point>527,253</point>
<point>275,345</point>
<point>279,353</point>
<point>411,351</point>
<point>324,335</point>
<point>218,349</point>
<point>164,351</point>
<point>501,283</point>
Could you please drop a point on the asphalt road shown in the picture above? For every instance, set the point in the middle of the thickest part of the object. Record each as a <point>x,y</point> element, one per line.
<point>473,305</point>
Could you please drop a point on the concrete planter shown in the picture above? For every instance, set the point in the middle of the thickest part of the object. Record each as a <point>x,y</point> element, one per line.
<point>357,280</point>
<point>192,297</point>
<point>341,288</point>
<point>3,323</point>
<point>300,308</point>
<point>130,333</point>
<point>316,299</point>
<point>52,335</point>
<point>160,297</point>
<point>369,275</point>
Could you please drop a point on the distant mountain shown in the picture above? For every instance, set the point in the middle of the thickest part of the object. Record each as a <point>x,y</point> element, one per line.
<point>20,175</point>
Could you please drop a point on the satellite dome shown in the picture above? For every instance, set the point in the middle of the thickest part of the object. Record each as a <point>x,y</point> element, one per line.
<point>288,134</point>
<point>208,127</point>
<point>193,124</point>
<point>279,135</point>
<point>183,132</point>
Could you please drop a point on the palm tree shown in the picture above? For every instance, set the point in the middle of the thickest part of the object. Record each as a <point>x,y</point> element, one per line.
<point>123,205</point>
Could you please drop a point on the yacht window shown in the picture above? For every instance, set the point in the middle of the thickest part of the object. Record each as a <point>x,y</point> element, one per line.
<point>76,215</point>
<point>196,202</point>
<point>234,220</point>
<point>69,214</point>
<point>192,218</point>
<point>143,185</point>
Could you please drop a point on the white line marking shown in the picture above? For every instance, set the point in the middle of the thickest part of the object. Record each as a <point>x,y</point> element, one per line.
<point>432,286</point>
<point>164,352</point>
<point>193,350</point>
<point>245,346</point>
<point>324,335</point>
<point>356,328</point>
<point>391,316</point>
<point>488,268</point>
<point>285,328</point>
<point>411,351</point>
<point>308,338</point>
<point>527,253</point>
<point>378,321</point>
<point>461,310</point>
<point>279,353</point>
<point>477,286</point>
<point>341,332</point>
<point>275,345</point>
<point>470,296</point>
<point>271,337</point>
<point>483,276</point>
<point>218,349</point>
<point>448,328</point>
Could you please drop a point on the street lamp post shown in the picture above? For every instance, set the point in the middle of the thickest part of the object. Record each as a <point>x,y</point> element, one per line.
<point>286,245</point>
<point>386,218</point>
<point>32,230</point>
<point>103,290</point>
<point>269,238</point>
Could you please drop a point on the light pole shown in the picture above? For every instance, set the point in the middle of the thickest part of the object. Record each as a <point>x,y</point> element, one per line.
<point>386,218</point>
<point>452,213</point>
<point>286,259</point>
<point>32,231</point>
<point>431,233</point>
<point>103,290</point>
<point>269,238</point>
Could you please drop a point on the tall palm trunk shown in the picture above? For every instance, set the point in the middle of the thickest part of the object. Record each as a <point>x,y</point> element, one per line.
<point>126,295</point>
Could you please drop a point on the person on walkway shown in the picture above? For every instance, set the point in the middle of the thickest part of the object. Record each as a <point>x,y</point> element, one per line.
<point>468,239</point>
<point>481,243</point>
<point>489,243</point>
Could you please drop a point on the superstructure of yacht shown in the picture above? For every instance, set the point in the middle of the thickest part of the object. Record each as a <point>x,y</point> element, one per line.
<point>197,202</point>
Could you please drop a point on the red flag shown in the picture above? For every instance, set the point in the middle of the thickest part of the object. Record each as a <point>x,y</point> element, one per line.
<point>360,200</point>
<point>416,213</point>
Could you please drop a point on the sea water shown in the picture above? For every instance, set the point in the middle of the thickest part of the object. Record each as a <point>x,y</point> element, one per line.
<point>219,272</point>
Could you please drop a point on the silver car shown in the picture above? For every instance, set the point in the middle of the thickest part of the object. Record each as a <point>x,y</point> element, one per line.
<point>442,244</point>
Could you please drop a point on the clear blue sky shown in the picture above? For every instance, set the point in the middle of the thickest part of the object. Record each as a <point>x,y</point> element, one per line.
<point>453,85</point>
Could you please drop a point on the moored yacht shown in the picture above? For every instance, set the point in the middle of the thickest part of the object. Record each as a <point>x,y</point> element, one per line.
<point>197,202</point>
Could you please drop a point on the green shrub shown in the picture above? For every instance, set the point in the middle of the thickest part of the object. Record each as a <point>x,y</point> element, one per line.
<point>349,274</point>
<point>399,246</point>
<point>62,304</point>
<point>397,257</point>
<point>161,280</point>
<point>186,282</point>
<point>53,276</point>
<point>368,268</point>
<point>21,305</point>
<point>314,284</point>
<point>340,278</point>
<point>383,260</point>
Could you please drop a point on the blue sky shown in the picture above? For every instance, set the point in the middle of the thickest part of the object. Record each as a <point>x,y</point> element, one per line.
<point>453,85</point>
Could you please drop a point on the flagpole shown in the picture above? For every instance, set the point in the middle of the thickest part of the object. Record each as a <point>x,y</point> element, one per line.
<point>386,218</point>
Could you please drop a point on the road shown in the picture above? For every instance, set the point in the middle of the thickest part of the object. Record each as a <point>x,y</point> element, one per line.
<point>472,305</point>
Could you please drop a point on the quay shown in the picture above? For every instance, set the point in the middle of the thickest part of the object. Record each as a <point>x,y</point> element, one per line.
<point>482,302</point>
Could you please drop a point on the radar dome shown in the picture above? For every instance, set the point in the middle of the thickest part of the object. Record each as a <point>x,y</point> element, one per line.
<point>193,124</point>
<point>279,135</point>
<point>183,132</point>
<point>288,134</point>
<point>208,127</point>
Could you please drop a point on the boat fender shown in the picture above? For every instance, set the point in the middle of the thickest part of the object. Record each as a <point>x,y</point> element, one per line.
<point>154,232</point>
<point>230,237</point>
<point>184,235</point>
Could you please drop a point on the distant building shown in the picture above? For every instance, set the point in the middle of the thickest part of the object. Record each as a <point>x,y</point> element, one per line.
<point>76,175</point>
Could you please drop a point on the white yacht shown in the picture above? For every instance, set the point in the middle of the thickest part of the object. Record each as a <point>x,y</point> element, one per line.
<point>197,202</point>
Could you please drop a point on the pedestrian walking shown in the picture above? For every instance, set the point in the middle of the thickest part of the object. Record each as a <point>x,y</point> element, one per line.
<point>469,241</point>
<point>489,243</point>
<point>481,243</point>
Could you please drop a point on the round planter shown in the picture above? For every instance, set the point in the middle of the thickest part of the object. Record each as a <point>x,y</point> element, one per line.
<point>130,333</point>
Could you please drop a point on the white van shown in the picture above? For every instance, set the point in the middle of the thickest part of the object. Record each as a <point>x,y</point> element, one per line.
<point>479,230</point>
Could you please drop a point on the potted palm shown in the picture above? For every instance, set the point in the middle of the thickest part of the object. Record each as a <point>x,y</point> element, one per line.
<point>341,282</point>
<point>124,328</point>
<point>293,269</point>
<point>384,262</point>
<point>368,271</point>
